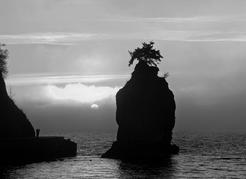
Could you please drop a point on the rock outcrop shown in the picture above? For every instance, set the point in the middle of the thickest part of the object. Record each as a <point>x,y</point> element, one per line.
<point>13,122</point>
<point>145,116</point>
<point>18,142</point>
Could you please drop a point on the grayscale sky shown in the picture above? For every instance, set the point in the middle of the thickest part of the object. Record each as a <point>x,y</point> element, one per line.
<point>68,58</point>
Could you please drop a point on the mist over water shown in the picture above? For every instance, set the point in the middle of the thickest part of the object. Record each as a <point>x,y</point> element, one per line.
<point>90,105</point>
<point>207,79</point>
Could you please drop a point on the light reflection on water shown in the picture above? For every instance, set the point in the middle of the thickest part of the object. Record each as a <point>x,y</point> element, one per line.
<point>92,167</point>
<point>201,156</point>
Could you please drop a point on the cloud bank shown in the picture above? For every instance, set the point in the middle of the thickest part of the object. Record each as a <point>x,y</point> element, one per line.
<point>81,93</point>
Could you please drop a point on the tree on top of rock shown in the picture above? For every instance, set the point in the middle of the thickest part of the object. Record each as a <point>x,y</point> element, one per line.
<point>3,57</point>
<point>146,54</point>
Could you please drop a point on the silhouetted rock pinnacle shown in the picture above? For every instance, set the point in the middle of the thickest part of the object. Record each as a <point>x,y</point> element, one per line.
<point>145,107</point>
<point>145,116</point>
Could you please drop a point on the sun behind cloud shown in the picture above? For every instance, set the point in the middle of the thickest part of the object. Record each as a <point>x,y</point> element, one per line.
<point>94,106</point>
<point>81,93</point>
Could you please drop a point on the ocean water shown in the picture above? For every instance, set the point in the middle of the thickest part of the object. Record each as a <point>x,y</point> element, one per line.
<point>213,155</point>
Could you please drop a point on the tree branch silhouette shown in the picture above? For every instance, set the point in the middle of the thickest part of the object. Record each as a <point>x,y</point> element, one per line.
<point>4,53</point>
<point>146,54</point>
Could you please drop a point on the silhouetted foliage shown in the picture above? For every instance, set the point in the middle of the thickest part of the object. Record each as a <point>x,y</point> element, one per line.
<point>3,57</point>
<point>165,75</point>
<point>146,54</point>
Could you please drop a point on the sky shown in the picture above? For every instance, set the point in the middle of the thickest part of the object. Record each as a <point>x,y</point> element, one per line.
<point>68,59</point>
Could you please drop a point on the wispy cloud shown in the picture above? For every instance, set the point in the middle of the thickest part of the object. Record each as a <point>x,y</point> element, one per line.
<point>72,39</point>
<point>200,36</point>
<point>16,80</point>
<point>194,19</point>
<point>149,32</point>
<point>52,38</point>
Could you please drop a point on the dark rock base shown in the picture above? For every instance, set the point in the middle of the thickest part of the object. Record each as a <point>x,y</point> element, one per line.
<point>29,150</point>
<point>140,151</point>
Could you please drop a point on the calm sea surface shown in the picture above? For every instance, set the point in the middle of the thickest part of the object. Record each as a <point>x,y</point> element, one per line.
<point>214,155</point>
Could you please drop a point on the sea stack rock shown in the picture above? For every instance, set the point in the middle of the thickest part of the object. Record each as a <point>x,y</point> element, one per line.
<point>145,115</point>
<point>145,108</point>
<point>13,122</point>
